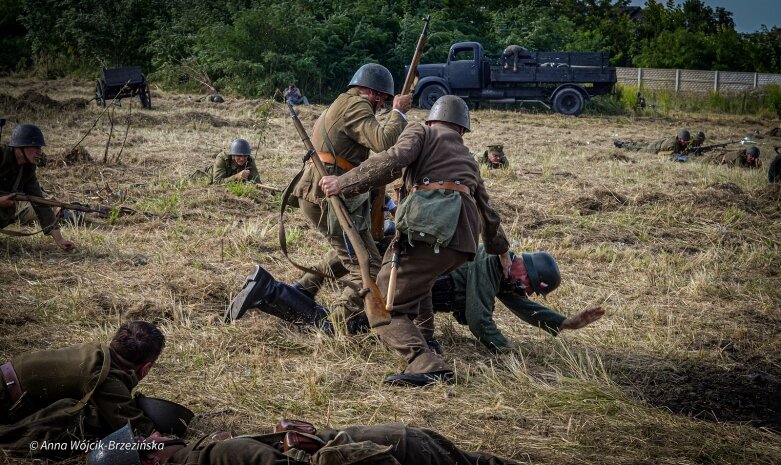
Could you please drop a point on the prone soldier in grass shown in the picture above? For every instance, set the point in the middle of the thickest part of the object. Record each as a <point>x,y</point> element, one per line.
<point>438,224</point>
<point>676,144</point>
<point>237,165</point>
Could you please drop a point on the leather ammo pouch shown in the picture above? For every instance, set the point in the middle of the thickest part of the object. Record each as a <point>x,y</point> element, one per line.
<point>414,216</point>
<point>308,443</point>
<point>295,425</point>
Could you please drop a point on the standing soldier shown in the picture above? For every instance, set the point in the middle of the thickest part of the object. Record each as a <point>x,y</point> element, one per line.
<point>237,165</point>
<point>670,145</point>
<point>343,136</point>
<point>439,223</point>
<point>18,161</point>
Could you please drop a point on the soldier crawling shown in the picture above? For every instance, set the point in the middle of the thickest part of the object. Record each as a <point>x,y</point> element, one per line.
<point>237,165</point>
<point>668,146</point>
<point>494,157</point>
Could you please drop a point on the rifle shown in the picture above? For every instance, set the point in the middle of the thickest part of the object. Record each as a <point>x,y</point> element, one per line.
<point>264,187</point>
<point>374,305</point>
<point>378,216</point>
<point>102,212</point>
<point>706,148</point>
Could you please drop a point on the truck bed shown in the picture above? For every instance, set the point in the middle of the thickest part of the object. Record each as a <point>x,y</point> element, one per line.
<point>545,74</point>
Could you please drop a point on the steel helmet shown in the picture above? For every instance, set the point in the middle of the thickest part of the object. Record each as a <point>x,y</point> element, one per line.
<point>240,147</point>
<point>373,76</point>
<point>543,271</point>
<point>168,417</point>
<point>753,151</point>
<point>27,135</point>
<point>684,135</point>
<point>451,109</point>
<point>110,452</point>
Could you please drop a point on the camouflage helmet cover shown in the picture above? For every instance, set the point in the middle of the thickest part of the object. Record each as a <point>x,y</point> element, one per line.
<point>451,109</point>
<point>373,76</point>
<point>27,135</point>
<point>240,147</point>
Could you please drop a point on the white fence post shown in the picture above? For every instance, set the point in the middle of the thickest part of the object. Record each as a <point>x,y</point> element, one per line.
<point>716,82</point>
<point>677,80</point>
<point>756,80</point>
<point>639,77</point>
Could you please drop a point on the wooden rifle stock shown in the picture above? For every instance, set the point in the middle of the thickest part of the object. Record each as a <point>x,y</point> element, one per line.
<point>374,304</point>
<point>264,187</point>
<point>20,197</point>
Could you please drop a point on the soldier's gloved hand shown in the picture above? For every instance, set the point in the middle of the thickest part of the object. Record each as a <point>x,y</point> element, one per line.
<point>6,202</point>
<point>402,102</point>
<point>330,185</point>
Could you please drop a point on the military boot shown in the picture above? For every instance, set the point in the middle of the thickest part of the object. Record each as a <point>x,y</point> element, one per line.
<point>265,293</point>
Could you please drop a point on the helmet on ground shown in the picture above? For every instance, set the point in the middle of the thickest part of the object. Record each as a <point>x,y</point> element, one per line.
<point>373,76</point>
<point>116,449</point>
<point>168,417</point>
<point>240,147</point>
<point>684,135</point>
<point>753,151</point>
<point>451,109</point>
<point>27,135</point>
<point>543,271</point>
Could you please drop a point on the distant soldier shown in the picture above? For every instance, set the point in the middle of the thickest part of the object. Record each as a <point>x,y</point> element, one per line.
<point>748,158</point>
<point>49,393</point>
<point>698,140</point>
<point>671,145</point>
<point>18,162</point>
<point>343,135</point>
<point>237,165</point>
<point>471,291</point>
<point>294,96</point>
<point>385,444</point>
<point>514,52</point>
<point>440,222</point>
<point>494,157</point>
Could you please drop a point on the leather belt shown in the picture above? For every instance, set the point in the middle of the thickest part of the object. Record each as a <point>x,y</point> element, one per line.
<point>448,185</point>
<point>11,382</point>
<point>329,159</point>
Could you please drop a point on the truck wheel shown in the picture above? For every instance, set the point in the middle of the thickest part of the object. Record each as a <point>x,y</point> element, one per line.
<point>568,102</point>
<point>430,94</point>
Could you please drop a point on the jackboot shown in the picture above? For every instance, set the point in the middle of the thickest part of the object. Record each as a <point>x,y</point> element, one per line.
<point>265,293</point>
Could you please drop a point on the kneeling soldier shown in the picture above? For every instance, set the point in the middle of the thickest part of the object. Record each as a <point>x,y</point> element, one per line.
<point>439,223</point>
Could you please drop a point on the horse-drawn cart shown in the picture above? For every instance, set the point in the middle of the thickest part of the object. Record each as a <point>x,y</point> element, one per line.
<point>119,83</point>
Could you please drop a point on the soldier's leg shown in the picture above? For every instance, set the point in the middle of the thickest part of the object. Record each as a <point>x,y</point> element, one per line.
<point>425,319</point>
<point>349,306</point>
<point>331,265</point>
<point>419,268</point>
<point>25,213</point>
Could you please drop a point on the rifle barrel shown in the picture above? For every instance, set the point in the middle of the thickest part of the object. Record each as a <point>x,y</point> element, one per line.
<point>413,67</point>
<point>21,197</point>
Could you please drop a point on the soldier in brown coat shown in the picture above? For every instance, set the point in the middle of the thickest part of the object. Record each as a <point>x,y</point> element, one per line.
<point>440,223</point>
<point>89,383</point>
<point>343,135</point>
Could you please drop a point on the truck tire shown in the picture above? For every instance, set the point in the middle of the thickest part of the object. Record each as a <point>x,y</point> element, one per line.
<point>429,95</point>
<point>569,101</point>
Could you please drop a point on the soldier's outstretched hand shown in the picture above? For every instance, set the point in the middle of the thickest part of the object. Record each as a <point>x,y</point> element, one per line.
<point>583,318</point>
<point>402,102</point>
<point>330,185</point>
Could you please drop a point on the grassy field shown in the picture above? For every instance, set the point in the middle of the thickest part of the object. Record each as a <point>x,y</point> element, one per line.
<point>684,368</point>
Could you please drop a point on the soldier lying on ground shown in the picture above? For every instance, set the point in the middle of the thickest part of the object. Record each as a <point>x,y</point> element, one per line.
<point>494,157</point>
<point>237,165</point>
<point>387,444</point>
<point>747,158</point>
<point>82,391</point>
<point>676,144</point>
<point>18,162</point>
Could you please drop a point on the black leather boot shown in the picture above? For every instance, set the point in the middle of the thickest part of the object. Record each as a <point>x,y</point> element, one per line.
<point>265,293</point>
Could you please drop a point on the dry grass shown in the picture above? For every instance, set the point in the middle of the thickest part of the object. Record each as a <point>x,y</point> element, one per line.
<point>685,368</point>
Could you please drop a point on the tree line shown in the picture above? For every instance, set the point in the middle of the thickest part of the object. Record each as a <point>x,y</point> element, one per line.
<point>252,47</point>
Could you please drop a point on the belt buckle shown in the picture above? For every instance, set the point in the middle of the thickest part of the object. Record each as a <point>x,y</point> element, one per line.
<point>426,181</point>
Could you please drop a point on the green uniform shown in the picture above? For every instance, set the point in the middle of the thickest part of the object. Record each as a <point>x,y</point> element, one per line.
<point>662,145</point>
<point>477,285</point>
<point>348,129</point>
<point>732,158</point>
<point>16,178</point>
<point>224,167</point>
<point>498,151</point>
<point>54,380</point>
<point>390,444</point>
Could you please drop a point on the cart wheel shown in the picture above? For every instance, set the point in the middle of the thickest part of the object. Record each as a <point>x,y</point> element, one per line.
<point>146,98</point>
<point>99,94</point>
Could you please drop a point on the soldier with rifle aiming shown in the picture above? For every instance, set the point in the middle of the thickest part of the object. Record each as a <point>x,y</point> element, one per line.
<point>18,160</point>
<point>343,136</point>
<point>670,145</point>
<point>438,224</point>
<point>746,158</point>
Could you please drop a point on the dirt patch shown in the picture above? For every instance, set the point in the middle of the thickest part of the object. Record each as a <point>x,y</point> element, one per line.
<point>743,394</point>
<point>652,197</point>
<point>614,156</point>
<point>600,200</point>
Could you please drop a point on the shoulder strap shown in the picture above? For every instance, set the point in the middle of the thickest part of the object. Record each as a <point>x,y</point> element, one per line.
<point>104,369</point>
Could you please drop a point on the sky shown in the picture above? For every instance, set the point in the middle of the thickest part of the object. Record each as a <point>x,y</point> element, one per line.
<point>749,15</point>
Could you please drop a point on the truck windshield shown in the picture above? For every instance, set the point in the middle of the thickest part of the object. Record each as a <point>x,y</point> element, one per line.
<point>464,54</point>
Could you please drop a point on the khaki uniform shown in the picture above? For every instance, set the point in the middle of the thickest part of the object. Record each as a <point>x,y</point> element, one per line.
<point>352,130</point>
<point>497,151</point>
<point>15,178</point>
<point>49,376</point>
<point>437,153</point>
<point>224,167</point>
<point>662,145</point>
<point>732,158</point>
<point>402,445</point>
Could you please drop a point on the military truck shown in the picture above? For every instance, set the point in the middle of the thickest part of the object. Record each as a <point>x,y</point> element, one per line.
<point>562,80</point>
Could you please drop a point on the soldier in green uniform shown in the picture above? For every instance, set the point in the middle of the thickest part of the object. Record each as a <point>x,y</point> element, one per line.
<point>747,158</point>
<point>82,390</point>
<point>386,444</point>
<point>471,291</point>
<point>439,221</point>
<point>18,162</point>
<point>343,136</point>
<point>237,165</point>
<point>494,157</point>
<point>671,145</point>
<point>698,140</point>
